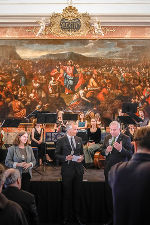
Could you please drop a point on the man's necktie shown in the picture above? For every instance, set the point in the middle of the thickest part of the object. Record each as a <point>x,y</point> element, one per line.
<point>72,146</point>
<point>113,140</point>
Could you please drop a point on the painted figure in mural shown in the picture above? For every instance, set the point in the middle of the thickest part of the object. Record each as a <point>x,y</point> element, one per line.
<point>17,109</point>
<point>22,76</point>
<point>80,101</point>
<point>79,78</point>
<point>69,77</point>
<point>58,74</point>
<point>93,82</point>
<point>52,86</point>
<point>146,93</point>
<point>42,26</point>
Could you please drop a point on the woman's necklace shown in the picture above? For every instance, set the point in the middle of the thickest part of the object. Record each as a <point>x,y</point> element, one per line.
<point>93,129</point>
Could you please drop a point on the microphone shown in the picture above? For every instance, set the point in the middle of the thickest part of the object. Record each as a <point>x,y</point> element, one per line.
<point>110,142</point>
<point>23,158</point>
<point>72,153</point>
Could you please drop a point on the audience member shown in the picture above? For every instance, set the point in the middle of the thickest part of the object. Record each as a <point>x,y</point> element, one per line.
<point>10,212</point>
<point>25,199</point>
<point>130,183</point>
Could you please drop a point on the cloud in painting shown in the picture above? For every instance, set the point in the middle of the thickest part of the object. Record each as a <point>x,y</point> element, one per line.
<point>28,49</point>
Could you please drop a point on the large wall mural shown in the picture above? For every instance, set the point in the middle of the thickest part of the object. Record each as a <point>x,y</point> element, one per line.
<point>72,75</point>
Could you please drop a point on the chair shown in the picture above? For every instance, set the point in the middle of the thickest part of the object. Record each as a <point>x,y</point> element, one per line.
<point>99,160</point>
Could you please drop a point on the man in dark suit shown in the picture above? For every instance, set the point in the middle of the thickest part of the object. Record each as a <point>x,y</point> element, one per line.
<point>116,148</point>
<point>69,150</point>
<point>25,199</point>
<point>10,212</point>
<point>130,183</point>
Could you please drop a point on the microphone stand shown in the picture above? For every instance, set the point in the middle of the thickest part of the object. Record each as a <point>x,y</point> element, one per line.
<point>26,117</point>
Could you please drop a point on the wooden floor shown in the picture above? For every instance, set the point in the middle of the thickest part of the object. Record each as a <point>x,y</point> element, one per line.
<point>53,173</point>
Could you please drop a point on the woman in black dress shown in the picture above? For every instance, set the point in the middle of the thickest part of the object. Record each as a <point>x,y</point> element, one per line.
<point>93,145</point>
<point>37,136</point>
<point>59,125</point>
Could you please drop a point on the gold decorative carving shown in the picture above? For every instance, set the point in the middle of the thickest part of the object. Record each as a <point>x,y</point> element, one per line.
<point>69,23</point>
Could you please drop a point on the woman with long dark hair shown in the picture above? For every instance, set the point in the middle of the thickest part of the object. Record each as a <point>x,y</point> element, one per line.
<point>37,136</point>
<point>81,122</point>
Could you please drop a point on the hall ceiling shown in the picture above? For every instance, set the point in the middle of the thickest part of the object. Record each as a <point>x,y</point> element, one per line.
<point>110,12</point>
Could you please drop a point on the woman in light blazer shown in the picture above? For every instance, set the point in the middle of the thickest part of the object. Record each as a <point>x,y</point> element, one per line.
<point>20,155</point>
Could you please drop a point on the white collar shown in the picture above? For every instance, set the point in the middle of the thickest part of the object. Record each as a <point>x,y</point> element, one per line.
<point>116,138</point>
<point>70,136</point>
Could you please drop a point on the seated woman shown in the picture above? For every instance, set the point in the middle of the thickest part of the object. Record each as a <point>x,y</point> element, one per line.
<point>93,145</point>
<point>59,125</point>
<point>81,122</point>
<point>98,120</point>
<point>82,127</point>
<point>144,118</point>
<point>37,136</point>
<point>21,156</point>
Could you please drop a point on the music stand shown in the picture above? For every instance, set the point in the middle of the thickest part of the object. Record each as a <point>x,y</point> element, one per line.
<point>11,122</point>
<point>70,117</point>
<point>46,118</point>
<point>126,120</point>
<point>136,118</point>
<point>128,107</point>
<point>43,118</point>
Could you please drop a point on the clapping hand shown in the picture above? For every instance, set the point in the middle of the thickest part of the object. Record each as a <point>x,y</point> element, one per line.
<point>109,149</point>
<point>118,146</point>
